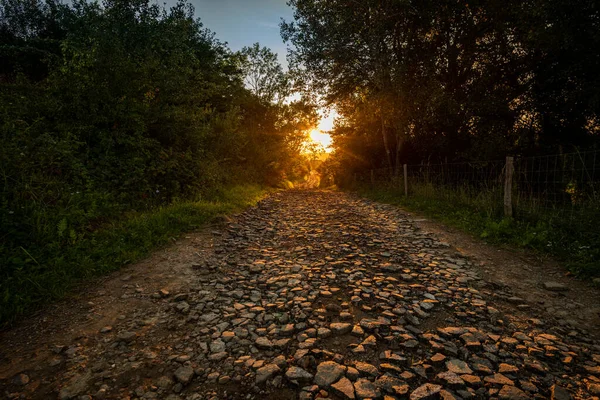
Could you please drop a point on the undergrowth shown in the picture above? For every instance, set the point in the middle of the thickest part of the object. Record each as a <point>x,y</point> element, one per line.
<point>59,266</point>
<point>480,214</point>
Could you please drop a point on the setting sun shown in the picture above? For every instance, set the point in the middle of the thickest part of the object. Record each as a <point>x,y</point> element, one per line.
<point>320,136</point>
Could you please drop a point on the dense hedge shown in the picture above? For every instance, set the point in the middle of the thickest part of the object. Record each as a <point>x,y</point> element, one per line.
<point>111,108</point>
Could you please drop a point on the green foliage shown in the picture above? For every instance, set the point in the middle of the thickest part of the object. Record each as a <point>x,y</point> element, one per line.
<point>264,75</point>
<point>117,109</point>
<point>434,81</point>
<point>118,243</point>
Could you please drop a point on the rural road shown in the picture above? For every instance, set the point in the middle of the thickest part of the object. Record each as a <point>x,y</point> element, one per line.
<point>311,294</point>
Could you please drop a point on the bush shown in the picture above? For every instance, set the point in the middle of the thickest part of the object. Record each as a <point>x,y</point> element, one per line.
<point>114,110</point>
<point>55,269</point>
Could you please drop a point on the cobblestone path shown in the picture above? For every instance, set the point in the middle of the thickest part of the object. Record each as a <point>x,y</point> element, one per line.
<point>316,294</point>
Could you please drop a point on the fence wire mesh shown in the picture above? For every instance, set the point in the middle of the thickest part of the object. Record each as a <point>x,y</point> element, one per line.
<point>564,184</point>
<point>563,187</point>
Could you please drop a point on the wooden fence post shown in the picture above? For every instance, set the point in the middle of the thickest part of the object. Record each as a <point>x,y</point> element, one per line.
<point>372,178</point>
<point>405,180</point>
<point>508,176</point>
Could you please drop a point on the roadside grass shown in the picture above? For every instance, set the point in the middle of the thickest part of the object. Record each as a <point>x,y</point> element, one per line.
<point>480,214</point>
<point>115,244</point>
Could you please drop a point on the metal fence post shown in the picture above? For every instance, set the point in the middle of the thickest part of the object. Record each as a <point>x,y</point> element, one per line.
<point>508,176</point>
<point>405,180</point>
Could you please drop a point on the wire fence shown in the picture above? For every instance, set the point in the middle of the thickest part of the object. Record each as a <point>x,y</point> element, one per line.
<point>560,186</point>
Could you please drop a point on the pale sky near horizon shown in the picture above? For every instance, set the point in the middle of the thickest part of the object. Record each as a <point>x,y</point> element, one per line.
<point>244,22</point>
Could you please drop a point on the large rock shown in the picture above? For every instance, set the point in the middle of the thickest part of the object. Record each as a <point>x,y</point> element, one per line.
<point>555,287</point>
<point>512,393</point>
<point>498,379</point>
<point>328,372</point>
<point>344,389</point>
<point>184,375</point>
<point>217,346</point>
<point>298,374</point>
<point>340,328</point>
<point>21,380</point>
<point>559,393</point>
<point>388,383</point>
<point>267,372</point>
<point>426,391</point>
<point>126,336</point>
<point>458,367</point>
<point>366,369</point>
<point>594,388</point>
<point>263,343</point>
<point>365,389</point>
<point>450,379</point>
<point>76,386</point>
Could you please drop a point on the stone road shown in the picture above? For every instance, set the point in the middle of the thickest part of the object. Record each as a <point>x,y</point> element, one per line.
<point>324,295</point>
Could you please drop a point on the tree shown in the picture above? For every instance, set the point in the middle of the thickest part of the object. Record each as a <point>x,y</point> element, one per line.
<point>450,80</point>
<point>30,35</point>
<point>119,107</point>
<point>263,74</point>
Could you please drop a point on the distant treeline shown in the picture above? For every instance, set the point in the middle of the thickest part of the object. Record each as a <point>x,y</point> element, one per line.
<point>120,106</point>
<point>435,81</point>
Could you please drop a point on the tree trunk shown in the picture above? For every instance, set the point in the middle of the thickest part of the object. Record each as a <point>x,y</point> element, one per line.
<point>399,142</point>
<point>386,145</point>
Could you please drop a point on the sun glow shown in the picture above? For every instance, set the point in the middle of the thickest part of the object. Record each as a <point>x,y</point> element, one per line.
<point>326,123</point>
<point>320,136</point>
<point>322,139</point>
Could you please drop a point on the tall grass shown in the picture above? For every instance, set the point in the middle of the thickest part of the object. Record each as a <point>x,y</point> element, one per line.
<point>116,243</point>
<point>479,212</point>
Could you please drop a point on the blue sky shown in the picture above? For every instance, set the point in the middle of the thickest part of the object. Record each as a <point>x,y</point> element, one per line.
<point>244,22</point>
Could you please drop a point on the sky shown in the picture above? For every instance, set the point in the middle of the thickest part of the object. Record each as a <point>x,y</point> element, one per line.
<point>244,22</point>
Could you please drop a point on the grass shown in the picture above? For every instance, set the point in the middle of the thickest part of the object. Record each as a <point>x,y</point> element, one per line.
<point>479,213</point>
<point>117,243</point>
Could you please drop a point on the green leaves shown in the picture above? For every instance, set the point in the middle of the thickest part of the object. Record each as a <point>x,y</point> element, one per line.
<point>440,80</point>
<point>112,109</point>
<point>263,74</point>
<point>61,227</point>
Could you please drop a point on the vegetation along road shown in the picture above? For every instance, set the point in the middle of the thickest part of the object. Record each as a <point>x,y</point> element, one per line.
<point>309,294</point>
<point>343,133</point>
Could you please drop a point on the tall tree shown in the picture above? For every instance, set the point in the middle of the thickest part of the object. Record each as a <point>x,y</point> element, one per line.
<point>451,80</point>
<point>263,74</point>
<point>121,106</point>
